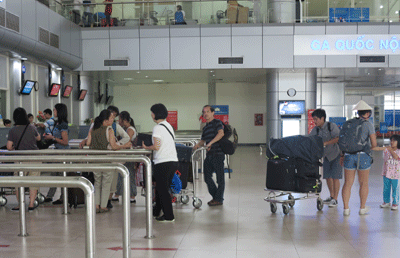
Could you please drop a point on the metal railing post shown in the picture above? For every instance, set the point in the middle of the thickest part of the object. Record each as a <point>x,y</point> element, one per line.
<point>22,212</point>
<point>149,201</point>
<point>65,195</point>
<point>124,172</point>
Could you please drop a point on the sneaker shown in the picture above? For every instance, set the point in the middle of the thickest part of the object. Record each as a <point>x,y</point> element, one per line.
<point>328,200</point>
<point>333,203</point>
<point>59,201</point>
<point>163,219</point>
<point>346,212</point>
<point>216,203</point>
<point>364,211</point>
<point>115,199</point>
<point>15,209</point>
<point>209,203</point>
<point>395,207</point>
<point>48,199</point>
<point>385,205</point>
<point>133,200</point>
<point>31,208</point>
<point>109,205</point>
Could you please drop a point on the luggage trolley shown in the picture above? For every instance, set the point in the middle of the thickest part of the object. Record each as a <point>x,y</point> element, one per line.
<point>183,196</point>
<point>273,196</point>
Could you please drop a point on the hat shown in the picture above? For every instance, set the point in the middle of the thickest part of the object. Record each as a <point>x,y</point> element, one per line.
<point>362,105</point>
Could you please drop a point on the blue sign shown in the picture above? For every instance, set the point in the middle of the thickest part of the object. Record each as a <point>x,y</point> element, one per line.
<point>23,69</point>
<point>348,14</point>
<point>389,118</point>
<point>383,128</point>
<point>221,109</point>
<point>339,121</point>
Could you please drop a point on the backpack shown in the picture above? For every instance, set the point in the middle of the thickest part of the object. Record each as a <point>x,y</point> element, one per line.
<point>179,17</point>
<point>227,146</point>
<point>350,137</point>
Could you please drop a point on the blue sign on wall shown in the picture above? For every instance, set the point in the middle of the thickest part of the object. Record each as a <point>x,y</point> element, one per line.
<point>389,119</point>
<point>383,128</point>
<point>221,109</point>
<point>348,14</point>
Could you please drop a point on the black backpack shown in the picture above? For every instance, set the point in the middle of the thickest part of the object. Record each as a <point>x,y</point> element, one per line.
<point>228,146</point>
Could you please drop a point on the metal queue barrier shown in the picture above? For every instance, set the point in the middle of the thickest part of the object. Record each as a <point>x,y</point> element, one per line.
<point>118,168</point>
<point>79,182</point>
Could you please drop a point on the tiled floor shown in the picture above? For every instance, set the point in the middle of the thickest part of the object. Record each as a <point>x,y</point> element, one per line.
<point>243,227</point>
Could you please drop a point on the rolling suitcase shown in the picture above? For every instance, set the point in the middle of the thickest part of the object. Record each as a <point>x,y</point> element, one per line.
<point>281,174</point>
<point>184,169</point>
<point>306,184</point>
<point>76,196</point>
<point>304,168</point>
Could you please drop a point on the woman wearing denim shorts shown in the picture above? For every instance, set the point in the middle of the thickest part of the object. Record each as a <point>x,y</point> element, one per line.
<point>360,162</point>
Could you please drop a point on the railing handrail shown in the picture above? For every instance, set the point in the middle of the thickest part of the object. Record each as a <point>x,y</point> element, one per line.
<point>77,152</point>
<point>148,2</point>
<point>79,182</point>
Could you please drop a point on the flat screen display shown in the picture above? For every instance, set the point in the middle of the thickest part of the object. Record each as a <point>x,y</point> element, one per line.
<point>54,90</point>
<point>67,91</point>
<point>27,88</point>
<point>82,95</point>
<point>291,108</point>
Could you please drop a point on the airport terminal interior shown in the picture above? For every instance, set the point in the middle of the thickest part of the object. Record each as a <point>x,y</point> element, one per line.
<point>250,60</point>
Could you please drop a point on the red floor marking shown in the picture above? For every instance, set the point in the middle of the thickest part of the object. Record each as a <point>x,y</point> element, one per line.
<point>145,249</point>
<point>4,245</point>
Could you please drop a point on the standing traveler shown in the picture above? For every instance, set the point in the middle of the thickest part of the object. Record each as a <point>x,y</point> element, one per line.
<point>391,172</point>
<point>23,136</point>
<point>49,124</point>
<point>356,140</point>
<point>108,12</point>
<point>332,169</point>
<point>102,138</point>
<point>165,161</point>
<point>126,121</point>
<point>59,136</point>
<point>179,16</point>
<point>214,162</point>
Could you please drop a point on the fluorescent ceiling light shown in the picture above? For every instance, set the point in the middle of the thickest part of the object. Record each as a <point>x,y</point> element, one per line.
<point>58,69</point>
<point>137,72</point>
<point>381,6</point>
<point>147,76</point>
<point>158,80</point>
<point>24,58</point>
<point>396,12</point>
<point>128,79</point>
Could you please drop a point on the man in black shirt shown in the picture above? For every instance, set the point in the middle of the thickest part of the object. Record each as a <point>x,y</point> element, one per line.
<point>212,133</point>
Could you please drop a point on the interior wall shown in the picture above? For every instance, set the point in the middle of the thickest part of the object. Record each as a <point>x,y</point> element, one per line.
<point>334,107</point>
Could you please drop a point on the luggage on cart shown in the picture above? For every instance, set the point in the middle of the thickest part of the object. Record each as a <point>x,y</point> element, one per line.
<point>281,174</point>
<point>76,196</point>
<point>184,169</point>
<point>184,163</point>
<point>304,168</point>
<point>306,184</point>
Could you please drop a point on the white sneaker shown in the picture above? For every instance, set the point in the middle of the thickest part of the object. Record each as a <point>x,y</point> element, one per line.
<point>332,203</point>
<point>364,211</point>
<point>395,207</point>
<point>385,205</point>
<point>328,200</point>
<point>346,212</point>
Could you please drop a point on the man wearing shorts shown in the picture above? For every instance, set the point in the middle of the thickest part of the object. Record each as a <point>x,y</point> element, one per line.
<point>332,168</point>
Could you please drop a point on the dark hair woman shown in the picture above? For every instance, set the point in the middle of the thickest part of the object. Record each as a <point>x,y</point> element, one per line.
<point>126,121</point>
<point>165,159</point>
<point>59,136</point>
<point>102,138</point>
<point>23,136</point>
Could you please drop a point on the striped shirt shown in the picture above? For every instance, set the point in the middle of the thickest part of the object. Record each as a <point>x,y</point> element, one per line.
<point>209,132</point>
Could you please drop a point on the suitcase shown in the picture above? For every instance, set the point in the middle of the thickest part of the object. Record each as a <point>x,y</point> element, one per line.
<point>304,168</point>
<point>184,169</point>
<point>142,137</point>
<point>76,196</point>
<point>184,153</point>
<point>306,184</point>
<point>281,174</point>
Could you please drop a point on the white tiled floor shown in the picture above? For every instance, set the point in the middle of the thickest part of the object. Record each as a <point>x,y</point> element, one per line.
<point>243,227</point>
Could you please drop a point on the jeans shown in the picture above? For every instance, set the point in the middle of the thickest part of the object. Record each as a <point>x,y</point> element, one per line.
<point>163,173</point>
<point>89,21</point>
<point>387,184</point>
<point>215,163</point>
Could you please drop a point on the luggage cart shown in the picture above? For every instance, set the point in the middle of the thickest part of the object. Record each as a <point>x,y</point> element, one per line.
<point>274,198</point>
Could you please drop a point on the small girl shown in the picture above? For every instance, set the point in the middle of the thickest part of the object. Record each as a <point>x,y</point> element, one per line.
<point>391,172</point>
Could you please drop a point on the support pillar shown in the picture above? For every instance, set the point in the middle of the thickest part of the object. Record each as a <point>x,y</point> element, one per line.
<point>272,117</point>
<point>310,92</point>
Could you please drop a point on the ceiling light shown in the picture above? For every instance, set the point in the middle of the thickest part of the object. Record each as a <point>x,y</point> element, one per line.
<point>211,71</point>
<point>128,79</point>
<point>24,58</point>
<point>58,69</point>
<point>396,12</point>
<point>158,80</point>
<point>213,74</point>
<point>137,72</point>
<point>390,21</point>
<point>381,6</point>
<point>147,76</point>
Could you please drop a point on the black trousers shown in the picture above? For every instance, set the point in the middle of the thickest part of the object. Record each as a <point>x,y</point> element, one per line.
<point>163,174</point>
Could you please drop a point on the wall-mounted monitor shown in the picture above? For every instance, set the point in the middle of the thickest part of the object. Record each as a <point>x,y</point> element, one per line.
<point>67,91</point>
<point>54,90</point>
<point>27,87</point>
<point>291,108</point>
<point>82,95</point>
<point>109,100</point>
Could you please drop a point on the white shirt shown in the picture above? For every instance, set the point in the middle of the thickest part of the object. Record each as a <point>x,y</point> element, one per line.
<point>167,151</point>
<point>134,132</point>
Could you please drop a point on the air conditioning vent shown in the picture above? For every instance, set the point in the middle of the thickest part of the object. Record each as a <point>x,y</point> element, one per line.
<point>2,17</point>
<point>116,62</point>
<point>12,22</point>
<point>54,40</point>
<point>44,36</point>
<point>230,60</point>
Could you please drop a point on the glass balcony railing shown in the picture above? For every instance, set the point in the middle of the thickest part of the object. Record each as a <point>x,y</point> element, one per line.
<point>152,13</point>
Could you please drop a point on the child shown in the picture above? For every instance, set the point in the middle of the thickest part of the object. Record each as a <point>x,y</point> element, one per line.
<point>391,172</point>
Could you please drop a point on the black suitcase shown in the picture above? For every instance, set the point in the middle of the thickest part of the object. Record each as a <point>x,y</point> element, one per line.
<point>76,196</point>
<point>305,168</point>
<point>281,174</point>
<point>184,153</point>
<point>184,168</point>
<point>306,184</point>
